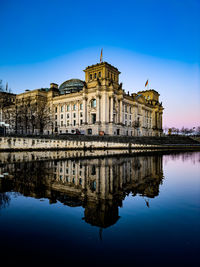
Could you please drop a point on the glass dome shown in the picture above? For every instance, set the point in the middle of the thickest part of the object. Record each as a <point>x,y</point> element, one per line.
<point>71,86</point>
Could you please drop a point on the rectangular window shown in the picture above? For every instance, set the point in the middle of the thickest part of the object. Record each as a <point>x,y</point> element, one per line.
<point>56,110</point>
<point>74,107</point>
<point>81,114</point>
<point>130,117</point>
<point>61,123</point>
<point>93,118</point>
<point>126,116</point>
<point>61,109</point>
<point>90,76</point>
<point>81,106</point>
<point>81,122</point>
<point>74,122</point>
<point>93,103</point>
<point>125,108</point>
<point>67,123</point>
<point>95,75</point>
<point>55,117</point>
<point>61,116</point>
<point>74,115</point>
<point>99,74</point>
<point>67,107</point>
<point>67,115</point>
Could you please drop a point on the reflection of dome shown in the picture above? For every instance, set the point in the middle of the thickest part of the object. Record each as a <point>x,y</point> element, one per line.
<point>71,86</point>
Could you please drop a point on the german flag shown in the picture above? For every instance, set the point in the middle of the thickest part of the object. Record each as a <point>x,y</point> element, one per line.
<point>101,57</point>
<point>146,83</point>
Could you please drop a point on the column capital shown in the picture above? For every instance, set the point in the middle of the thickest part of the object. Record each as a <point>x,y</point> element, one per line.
<point>98,95</point>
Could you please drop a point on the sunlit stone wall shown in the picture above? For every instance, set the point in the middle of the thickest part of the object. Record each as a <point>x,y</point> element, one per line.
<point>15,143</point>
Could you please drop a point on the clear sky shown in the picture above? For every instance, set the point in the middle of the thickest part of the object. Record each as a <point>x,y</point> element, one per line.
<point>51,41</point>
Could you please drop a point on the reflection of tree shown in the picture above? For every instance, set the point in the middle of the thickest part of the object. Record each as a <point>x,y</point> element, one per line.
<point>4,200</point>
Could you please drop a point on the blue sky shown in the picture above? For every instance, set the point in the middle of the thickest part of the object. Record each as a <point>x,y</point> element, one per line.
<point>52,41</point>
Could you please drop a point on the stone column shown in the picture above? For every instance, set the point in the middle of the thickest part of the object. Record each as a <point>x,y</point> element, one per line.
<point>59,114</point>
<point>160,120</point>
<point>121,111</point>
<point>77,114</point>
<point>104,107</point>
<point>71,115</point>
<point>111,108</point>
<point>98,109</point>
<point>64,114</point>
<point>118,112</point>
<point>84,110</point>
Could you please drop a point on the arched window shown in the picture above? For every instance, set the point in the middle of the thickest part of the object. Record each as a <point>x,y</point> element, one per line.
<point>93,103</point>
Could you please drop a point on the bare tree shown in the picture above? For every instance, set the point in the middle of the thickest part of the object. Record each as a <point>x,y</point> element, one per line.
<point>33,117</point>
<point>6,100</point>
<point>198,130</point>
<point>136,124</point>
<point>43,116</point>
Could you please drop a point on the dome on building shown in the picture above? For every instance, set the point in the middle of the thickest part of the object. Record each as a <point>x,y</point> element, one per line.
<point>71,86</point>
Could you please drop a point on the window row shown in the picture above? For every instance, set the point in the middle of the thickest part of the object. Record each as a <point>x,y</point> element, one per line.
<point>74,123</point>
<point>68,116</point>
<point>94,75</point>
<point>74,107</point>
<point>68,180</point>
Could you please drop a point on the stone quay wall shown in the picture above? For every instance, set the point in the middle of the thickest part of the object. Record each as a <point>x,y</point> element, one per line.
<point>18,144</point>
<point>35,143</point>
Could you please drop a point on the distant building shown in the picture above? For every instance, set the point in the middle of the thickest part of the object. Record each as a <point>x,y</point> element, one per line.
<point>98,105</point>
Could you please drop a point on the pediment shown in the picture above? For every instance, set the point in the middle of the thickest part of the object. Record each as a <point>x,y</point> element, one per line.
<point>141,99</point>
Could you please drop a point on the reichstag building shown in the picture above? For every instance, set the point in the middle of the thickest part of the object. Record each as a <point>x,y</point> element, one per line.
<point>97,106</point>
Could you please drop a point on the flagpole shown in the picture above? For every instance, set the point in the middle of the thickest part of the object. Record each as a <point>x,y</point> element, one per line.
<point>101,57</point>
<point>147,84</point>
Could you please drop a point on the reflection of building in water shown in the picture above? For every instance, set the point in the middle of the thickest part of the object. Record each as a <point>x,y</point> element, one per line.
<point>99,185</point>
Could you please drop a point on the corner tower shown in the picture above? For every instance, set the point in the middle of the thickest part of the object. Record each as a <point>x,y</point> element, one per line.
<point>101,71</point>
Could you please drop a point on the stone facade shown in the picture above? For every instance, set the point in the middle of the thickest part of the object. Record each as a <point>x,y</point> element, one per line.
<point>98,105</point>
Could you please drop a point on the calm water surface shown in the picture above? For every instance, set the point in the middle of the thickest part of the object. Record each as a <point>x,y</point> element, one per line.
<point>142,210</point>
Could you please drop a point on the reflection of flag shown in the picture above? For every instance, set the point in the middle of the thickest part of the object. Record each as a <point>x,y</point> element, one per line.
<point>101,57</point>
<point>146,83</point>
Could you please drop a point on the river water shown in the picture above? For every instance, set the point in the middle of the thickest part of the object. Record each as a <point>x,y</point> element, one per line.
<point>59,209</point>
